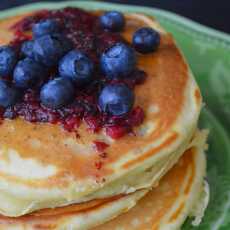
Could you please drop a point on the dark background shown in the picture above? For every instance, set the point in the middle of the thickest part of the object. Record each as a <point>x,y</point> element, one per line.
<point>212,13</point>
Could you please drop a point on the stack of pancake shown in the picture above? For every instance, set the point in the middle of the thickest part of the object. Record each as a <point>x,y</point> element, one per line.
<point>153,180</point>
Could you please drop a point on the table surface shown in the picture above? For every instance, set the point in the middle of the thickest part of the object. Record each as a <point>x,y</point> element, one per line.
<point>215,14</point>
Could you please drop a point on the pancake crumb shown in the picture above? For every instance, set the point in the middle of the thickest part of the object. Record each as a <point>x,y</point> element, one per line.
<point>135,222</point>
<point>153,109</point>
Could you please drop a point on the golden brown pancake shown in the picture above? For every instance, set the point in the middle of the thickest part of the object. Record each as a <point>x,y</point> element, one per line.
<point>54,168</point>
<point>164,207</point>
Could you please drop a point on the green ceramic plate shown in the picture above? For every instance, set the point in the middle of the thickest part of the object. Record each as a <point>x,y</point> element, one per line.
<point>208,53</point>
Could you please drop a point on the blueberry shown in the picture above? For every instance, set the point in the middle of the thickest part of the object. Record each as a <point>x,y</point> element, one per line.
<point>9,94</point>
<point>29,73</point>
<point>146,40</point>
<point>27,49</point>
<point>77,67</point>
<point>48,26</point>
<point>116,99</point>
<point>119,61</point>
<point>8,59</point>
<point>113,21</point>
<point>48,49</point>
<point>57,93</point>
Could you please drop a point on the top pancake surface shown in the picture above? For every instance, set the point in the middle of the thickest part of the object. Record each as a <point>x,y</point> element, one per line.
<point>161,96</point>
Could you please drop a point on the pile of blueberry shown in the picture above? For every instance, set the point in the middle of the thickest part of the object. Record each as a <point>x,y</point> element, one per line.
<point>50,51</point>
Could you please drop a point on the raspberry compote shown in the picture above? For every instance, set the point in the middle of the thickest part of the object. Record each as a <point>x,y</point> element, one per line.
<point>83,29</point>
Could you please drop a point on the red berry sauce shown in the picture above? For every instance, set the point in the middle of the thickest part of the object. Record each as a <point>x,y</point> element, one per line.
<point>83,29</point>
<point>100,146</point>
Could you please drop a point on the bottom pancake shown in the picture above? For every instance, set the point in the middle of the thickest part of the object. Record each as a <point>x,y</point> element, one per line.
<point>164,207</point>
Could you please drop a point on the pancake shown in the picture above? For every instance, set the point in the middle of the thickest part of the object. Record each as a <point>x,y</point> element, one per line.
<point>43,166</point>
<point>180,194</point>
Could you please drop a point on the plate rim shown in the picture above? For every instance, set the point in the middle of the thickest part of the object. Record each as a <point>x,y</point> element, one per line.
<point>164,14</point>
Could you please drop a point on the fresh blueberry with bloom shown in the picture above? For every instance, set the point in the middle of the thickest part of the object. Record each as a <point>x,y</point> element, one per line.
<point>9,94</point>
<point>27,49</point>
<point>146,40</point>
<point>48,26</point>
<point>116,99</point>
<point>76,66</point>
<point>118,61</point>
<point>48,49</point>
<point>29,73</point>
<point>8,60</point>
<point>113,21</point>
<point>57,93</point>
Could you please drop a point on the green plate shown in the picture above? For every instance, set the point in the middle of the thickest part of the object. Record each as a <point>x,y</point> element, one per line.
<point>208,53</point>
